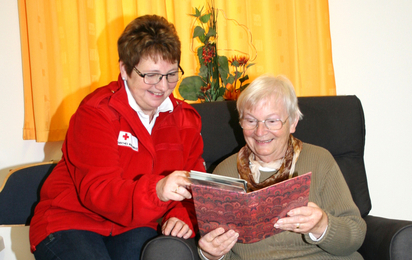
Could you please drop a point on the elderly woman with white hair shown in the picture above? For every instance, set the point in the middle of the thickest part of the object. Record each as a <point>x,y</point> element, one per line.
<point>330,226</point>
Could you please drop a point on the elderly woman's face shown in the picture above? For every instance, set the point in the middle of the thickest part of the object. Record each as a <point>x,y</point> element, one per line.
<point>268,145</point>
<point>150,96</point>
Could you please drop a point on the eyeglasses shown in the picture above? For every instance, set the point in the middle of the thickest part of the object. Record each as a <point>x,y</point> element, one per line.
<point>252,123</point>
<point>154,78</point>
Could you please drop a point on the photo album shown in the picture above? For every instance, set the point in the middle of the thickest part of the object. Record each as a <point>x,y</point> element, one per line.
<point>222,201</point>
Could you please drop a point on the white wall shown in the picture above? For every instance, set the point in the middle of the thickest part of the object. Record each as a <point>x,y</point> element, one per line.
<point>372,58</point>
<point>372,55</point>
<point>14,151</point>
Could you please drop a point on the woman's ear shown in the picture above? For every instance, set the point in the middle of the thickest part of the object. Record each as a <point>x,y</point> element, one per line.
<point>294,124</point>
<point>123,70</point>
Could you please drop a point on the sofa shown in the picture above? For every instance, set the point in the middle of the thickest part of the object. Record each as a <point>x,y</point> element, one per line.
<point>335,123</point>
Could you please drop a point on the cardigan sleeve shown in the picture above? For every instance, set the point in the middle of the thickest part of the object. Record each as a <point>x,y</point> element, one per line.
<point>331,193</point>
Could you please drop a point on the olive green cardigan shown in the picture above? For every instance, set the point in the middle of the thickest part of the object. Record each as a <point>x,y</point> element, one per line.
<point>346,228</point>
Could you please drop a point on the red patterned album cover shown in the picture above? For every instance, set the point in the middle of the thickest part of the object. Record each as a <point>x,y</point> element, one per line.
<point>251,214</point>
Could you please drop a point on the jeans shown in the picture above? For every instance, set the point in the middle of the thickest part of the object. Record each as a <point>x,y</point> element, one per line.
<point>87,245</point>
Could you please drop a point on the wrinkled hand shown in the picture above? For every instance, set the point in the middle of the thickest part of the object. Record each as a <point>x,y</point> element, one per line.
<point>174,187</point>
<point>177,228</point>
<point>303,220</point>
<point>217,243</point>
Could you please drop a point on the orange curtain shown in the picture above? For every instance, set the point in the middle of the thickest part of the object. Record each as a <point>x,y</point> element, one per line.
<point>69,48</point>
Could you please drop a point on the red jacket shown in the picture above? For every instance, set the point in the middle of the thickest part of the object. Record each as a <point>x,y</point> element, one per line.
<point>107,184</point>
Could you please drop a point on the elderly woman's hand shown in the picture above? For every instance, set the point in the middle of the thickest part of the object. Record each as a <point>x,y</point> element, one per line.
<point>174,187</point>
<point>217,243</point>
<point>177,228</point>
<point>310,219</point>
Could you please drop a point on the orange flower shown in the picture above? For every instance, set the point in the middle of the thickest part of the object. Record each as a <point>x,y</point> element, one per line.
<point>239,60</point>
<point>231,93</point>
<point>206,88</point>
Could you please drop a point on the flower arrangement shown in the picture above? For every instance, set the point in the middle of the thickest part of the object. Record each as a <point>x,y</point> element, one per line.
<point>215,80</point>
<point>240,63</point>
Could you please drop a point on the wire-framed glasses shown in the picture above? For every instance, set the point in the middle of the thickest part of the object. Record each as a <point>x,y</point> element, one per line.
<point>250,123</point>
<point>154,78</point>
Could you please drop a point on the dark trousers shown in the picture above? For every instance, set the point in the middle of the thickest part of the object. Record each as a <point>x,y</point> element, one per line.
<point>87,245</point>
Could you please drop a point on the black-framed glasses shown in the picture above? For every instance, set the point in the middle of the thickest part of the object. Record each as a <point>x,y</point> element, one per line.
<point>251,123</point>
<point>154,78</point>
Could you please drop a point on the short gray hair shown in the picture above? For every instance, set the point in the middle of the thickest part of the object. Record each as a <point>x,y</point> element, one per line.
<point>271,88</point>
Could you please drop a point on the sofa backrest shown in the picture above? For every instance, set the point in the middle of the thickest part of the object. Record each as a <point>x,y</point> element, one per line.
<point>333,122</point>
<point>21,192</point>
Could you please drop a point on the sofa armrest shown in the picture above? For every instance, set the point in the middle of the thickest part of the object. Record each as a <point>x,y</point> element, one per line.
<point>170,248</point>
<point>387,239</point>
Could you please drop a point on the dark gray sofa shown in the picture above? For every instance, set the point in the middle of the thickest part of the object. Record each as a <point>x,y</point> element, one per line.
<point>335,123</point>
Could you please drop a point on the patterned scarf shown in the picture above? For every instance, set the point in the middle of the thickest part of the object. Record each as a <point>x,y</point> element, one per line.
<point>251,174</point>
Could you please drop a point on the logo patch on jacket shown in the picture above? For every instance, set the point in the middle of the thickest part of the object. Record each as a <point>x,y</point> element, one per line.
<point>127,139</point>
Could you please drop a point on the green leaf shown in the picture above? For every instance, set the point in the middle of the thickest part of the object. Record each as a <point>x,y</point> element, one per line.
<point>224,71</point>
<point>203,72</point>
<point>235,63</point>
<point>221,92</point>
<point>223,68</point>
<point>223,75</point>
<point>204,18</point>
<point>231,79</point>
<point>189,87</point>
<point>202,38</point>
<point>200,54</point>
<point>215,86</point>
<point>201,95</point>
<point>244,79</point>
<point>198,12</point>
<point>198,32</point>
<point>238,74</point>
<point>223,63</point>
<point>250,65</point>
<point>211,32</point>
<point>243,87</point>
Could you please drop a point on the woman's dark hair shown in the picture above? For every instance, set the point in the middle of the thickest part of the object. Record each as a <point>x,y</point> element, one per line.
<point>148,36</point>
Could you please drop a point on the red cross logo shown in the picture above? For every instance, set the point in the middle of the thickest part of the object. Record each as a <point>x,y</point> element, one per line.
<point>125,136</point>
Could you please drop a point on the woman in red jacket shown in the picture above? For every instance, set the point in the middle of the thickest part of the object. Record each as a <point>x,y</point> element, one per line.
<point>126,157</point>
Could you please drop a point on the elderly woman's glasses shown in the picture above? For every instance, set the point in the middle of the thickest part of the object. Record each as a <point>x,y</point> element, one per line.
<point>154,78</point>
<point>271,124</point>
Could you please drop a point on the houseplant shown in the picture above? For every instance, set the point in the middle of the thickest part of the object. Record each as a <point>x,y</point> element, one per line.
<point>215,81</point>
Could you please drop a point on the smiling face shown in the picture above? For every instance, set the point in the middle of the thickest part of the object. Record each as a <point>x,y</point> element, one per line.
<point>268,145</point>
<point>149,97</point>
